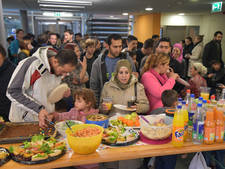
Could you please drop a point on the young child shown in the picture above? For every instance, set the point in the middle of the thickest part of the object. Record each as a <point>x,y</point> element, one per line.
<point>169,100</point>
<point>83,106</point>
<point>197,72</point>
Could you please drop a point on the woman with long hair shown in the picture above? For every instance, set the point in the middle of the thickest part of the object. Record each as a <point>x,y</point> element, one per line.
<point>157,76</point>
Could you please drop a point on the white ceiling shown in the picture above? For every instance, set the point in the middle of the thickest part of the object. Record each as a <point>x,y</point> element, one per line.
<point>131,6</point>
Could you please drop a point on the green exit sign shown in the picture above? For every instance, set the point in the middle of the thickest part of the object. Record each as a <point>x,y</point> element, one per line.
<point>217,7</point>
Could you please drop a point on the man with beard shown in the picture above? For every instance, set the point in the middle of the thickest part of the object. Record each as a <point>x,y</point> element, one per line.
<point>104,66</point>
<point>33,79</point>
<point>213,50</point>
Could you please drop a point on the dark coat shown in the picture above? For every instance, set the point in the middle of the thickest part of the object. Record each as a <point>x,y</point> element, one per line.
<point>212,52</point>
<point>6,71</point>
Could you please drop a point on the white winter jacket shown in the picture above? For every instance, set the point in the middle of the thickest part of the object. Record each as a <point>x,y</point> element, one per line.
<point>29,87</point>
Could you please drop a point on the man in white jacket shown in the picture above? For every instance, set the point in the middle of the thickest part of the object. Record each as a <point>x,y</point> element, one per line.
<point>32,81</point>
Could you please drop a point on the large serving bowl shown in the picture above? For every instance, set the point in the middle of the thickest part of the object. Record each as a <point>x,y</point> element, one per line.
<point>155,130</point>
<point>98,119</point>
<point>84,145</point>
<point>61,126</point>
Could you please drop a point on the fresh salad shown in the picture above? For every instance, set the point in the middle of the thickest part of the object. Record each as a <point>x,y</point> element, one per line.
<point>129,120</point>
<point>38,149</point>
<point>115,135</point>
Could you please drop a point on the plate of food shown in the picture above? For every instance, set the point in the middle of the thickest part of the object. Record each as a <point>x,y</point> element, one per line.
<point>4,156</point>
<point>126,121</point>
<point>38,150</point>
<point>99,119</point>
<point>61,126</point>
<point>123,107</point>
<point>119,136</point>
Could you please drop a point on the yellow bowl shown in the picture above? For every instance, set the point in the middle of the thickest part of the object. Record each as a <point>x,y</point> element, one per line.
<point>84,145</point>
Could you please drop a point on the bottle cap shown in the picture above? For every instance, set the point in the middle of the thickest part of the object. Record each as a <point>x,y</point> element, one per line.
<point>188,91</point>
<point>193,95</point>
<point>183,102</point>
<point>199,105</point>
<point>180,99</point>
<point>200,98</point>
<point>213,97</point>
<point>179,107</point>
<point>204,101</point>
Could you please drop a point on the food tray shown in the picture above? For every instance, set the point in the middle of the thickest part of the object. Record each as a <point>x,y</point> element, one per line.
<point>21,131</point>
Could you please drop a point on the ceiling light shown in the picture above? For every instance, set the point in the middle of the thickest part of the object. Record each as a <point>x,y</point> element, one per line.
<point>111,16</point>
<point>58,10</point>
<point>9,17</point>
<point>125,13</point>
<point>181,14</point>
<point>61,14</point>
<point>87,3</point>
<point>61,6</point>
<point>148,9</point>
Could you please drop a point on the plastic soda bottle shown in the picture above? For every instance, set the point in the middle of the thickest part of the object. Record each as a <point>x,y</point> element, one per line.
<point>188,96</point>
<point>185,114</point>
<point>219,119</point>
<point>209,128</point>
<point>198,124</point>
<point>191,107</point>
<point>178,128</point>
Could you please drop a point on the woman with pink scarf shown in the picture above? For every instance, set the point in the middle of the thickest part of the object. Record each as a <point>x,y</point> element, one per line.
<point>156,79</point>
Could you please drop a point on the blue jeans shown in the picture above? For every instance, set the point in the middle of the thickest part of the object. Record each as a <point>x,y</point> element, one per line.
<point>219,156</point>
<point>166,162</point>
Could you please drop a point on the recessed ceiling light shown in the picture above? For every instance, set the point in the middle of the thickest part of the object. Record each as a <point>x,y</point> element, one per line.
<point>148,9</point>
<point>125,13</point>
<point>9,17</point>
<point>181,14</point>
<point>111,16</point>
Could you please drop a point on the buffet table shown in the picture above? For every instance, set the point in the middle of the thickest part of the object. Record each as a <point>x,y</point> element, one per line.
<point>116,153</point>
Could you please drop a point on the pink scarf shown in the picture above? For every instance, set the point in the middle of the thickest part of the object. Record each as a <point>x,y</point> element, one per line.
<point>161,77</point>
<point>179,46</point>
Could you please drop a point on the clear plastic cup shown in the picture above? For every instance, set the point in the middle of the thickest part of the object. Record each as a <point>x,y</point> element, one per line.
<point>107,102</point>
<point>204,92</point>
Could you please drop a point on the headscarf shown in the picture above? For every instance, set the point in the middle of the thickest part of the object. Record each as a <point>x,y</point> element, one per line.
<point>179,46</point>
<point>202,70</point>
<point>122,63</point>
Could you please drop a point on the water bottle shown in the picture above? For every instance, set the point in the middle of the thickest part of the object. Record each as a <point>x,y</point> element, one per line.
<point>191,107</point>
<point>198,126</point>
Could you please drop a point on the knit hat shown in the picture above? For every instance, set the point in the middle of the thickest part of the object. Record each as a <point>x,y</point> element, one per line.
<point>202,70</point>
<point>51,52</point>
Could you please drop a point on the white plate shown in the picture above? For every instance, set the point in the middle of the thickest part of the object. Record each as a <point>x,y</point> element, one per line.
<point>116,116</point>
<point>57,93</point>
<point>123,107</point>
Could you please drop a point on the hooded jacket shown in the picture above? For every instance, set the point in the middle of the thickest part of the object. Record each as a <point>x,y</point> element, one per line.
<point>119,96</point>
<point>29,87</point>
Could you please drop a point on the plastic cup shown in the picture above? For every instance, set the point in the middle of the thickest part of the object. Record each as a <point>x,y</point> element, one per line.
<point>204,92</point>
<point>107,101</point>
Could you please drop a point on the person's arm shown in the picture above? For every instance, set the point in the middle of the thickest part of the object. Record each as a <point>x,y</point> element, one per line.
<point>20,82</point>
<point>83,77</point>
<point>142,100</point>
<point>95,80</point>
<point>152,85</point>
<point>70,115</point>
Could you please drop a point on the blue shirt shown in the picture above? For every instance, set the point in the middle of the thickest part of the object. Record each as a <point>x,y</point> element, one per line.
<point>110,66</point>
<point>14,47</point>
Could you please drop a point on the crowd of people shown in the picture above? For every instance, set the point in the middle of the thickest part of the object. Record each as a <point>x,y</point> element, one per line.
<point>119,69</point>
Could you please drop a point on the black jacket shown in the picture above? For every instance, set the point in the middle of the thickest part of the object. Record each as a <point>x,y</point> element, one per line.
<point>212,51</point>
<point>217,78</point>
<point>6,71</point>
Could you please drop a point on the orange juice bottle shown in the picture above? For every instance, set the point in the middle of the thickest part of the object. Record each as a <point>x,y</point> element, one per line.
<point>219,124</point>
<point>209,128</point>
<point>178,128</point>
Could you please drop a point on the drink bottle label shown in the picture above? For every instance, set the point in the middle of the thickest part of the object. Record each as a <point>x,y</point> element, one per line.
<point>200,132</point>
<point>209,134</point>
<point>179,134</point>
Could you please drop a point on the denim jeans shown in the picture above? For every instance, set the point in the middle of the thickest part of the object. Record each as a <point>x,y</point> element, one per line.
<point>166,162</point>
<point>219,156</point>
